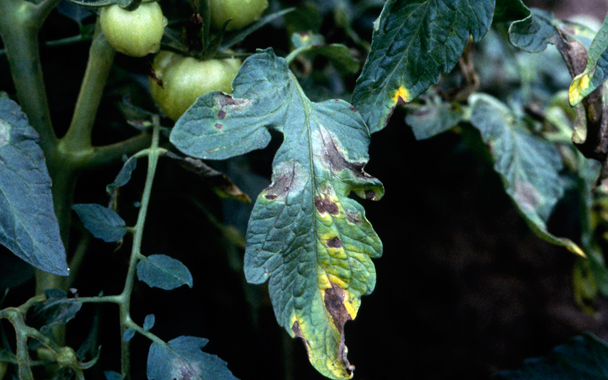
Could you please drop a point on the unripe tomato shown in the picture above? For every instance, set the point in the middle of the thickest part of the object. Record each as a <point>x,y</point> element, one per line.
<point>242,12</point>
<point>185,79</point>
<point>134,33</point>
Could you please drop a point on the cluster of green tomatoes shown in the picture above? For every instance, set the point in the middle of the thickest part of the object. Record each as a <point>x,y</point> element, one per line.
<point>139,32</point>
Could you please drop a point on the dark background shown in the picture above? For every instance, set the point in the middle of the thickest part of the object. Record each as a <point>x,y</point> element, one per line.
<point>464,288</point>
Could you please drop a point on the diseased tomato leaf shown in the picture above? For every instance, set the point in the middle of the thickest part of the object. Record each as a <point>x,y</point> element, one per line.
<point>28,225</point>
<point>182,359</point>
<point>415,41</point>
<point>306,236</point>
<point>528,165</point>
<point>581,357</point>
<point>596,71</point>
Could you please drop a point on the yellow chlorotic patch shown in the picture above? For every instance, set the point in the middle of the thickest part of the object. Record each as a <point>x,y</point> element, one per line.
<point>578,86</point>
<point>323,280</point>
<point>337,281</point>
<point>402,94</point>
<point>352,306</point>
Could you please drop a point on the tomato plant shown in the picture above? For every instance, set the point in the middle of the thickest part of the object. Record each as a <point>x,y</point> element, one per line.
<point>245,159</point>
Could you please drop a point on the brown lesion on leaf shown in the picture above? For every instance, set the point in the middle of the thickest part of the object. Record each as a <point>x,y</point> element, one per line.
<point>334,304</point>
<point>281,185</point>
<point>297,332</point>
<point>218,126</point>
<point>353,217</point>
<point>226,104</point>
<point>334,242</point>
<point>324,204</point>
<point>337,160</point>
<point>371,195</point>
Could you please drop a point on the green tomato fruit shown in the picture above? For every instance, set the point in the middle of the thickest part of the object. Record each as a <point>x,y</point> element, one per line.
<point>134,33</point>
<point>242,12</point>
<point>185,79</point>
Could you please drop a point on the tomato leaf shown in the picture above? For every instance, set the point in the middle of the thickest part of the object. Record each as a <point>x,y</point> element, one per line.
<point>128,334</point>
<point>182,359</point>
<point>510,10</point>
<point>306,236</point>
<point>528,165</point>
<point>339,55</point>
<point>112,375</point>
<point>163,272</point>
<point>596,71</point>
<point>149,322</point>
<point>28,225</point>
<point>415,41</point>
<point>432,119</point>
<point>56,310</point>
<point>581,357</point>
<point>124,176</point>
<point>102,222</point>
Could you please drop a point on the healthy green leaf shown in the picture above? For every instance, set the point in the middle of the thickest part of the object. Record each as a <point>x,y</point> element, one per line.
<point>163,272</point>
<point>149,322</point>
<point>583,358</point>
<point>102,222</point>
<point>182,359</point>
<point>432,119</point>
<point>533,33</point>
<point>415,42</point>
<point>510,10</point>
<point>305,234</point>
<point>128,334</point>
<point>28,225</point>
<point>596,72</point>
<point>528,165</point>
<point>124,176</point>
<point>56,310</point>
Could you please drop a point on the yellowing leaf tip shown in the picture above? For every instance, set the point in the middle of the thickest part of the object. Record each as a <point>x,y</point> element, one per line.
<point>401,96</point>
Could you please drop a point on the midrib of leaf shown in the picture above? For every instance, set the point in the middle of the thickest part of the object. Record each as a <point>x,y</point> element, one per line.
<point>308,116</point>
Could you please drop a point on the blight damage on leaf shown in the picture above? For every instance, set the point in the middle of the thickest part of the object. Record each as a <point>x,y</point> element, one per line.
<point>306,236</point>
<point>289,177</point>
<point>401,96</point>
<point>325,204</point>
<point>414,42</point>
<point>182,370</point>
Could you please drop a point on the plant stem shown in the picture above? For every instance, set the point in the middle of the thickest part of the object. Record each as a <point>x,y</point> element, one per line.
<point>101,56</point>
<point>125,317</point>
<point>20,22</point>
<point>297,52</point>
